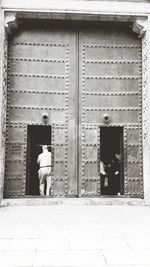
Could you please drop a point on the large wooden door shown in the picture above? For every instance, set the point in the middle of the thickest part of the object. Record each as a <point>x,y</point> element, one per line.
<point>42,78</point>
<point>110,87</point>
<point>76,74</point>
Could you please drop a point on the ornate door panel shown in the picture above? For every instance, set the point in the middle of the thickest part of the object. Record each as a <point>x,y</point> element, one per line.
<point>110,83</point>
<point>42,78</point>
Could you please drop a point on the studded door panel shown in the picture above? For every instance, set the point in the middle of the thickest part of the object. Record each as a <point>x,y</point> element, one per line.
<point>41,79</point>
<point>133,162</point>
<point>110,83</point>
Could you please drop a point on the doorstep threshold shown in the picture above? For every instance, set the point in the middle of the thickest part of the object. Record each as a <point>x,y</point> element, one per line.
<point>39,201</point>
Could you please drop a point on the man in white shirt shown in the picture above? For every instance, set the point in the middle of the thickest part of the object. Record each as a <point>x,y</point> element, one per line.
<point>44,161</point>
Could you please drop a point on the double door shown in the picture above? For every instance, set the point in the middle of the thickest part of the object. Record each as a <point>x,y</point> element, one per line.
<point>81,76</point>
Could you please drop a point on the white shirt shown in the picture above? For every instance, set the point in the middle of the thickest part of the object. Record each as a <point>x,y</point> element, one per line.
<point>44,159</point>
<point>102,170</point>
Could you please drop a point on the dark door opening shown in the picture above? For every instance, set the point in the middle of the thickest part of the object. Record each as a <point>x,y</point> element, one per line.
<point>111,157</point>
<point>36,136</point>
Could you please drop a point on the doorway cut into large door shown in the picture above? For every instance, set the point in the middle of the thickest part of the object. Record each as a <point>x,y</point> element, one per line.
<point>111,155</point>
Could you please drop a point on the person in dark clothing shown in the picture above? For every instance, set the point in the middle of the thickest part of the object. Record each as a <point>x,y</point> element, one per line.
<point>110,175</point>
<point>115,173</point>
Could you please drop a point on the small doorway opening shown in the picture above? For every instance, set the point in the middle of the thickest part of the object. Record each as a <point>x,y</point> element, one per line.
<point>111,157</point>
<point>37,136</point>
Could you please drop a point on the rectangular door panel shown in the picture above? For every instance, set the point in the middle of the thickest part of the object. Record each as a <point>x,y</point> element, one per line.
<point>115,101</point>
<point>93,68</point>
<point>117,116</point>
<point>43,84</point>
<point>97,49</point>
<point>15,167</point>
<point>36,67</point>
<point>29,114</point>
<point>42,100</point>
<point>101,86</point>
<point>16,134</point>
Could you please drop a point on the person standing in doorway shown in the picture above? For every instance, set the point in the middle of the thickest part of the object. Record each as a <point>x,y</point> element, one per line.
<point>115,172</point>
<point>44,160</point>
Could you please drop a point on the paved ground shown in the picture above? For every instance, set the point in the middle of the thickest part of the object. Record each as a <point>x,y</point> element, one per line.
<point>75,235</point>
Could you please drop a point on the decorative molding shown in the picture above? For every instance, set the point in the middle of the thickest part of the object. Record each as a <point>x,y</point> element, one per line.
<point>50,92</point>
<point>133,144</point>
<point>112,61</point>
<point>129,126</point>
<point>14,124</point>
<point>111,46</point>
<point>133,179</point>
<point>37,108</point>
<point>52,151</point>
<point>133,161</point>
<point>133,126</point>
<point>59,161</point>
<point>39,44</point>
<point>111,93</point>
<point>112,108</point>
<point>10,22</point>
<point>86,161</point>
<point>140,26</point>
<point>91,144</point>
<point>67,54</point>
<point>23,190</point>
<point>141,102</point>
<point>99,181</point>
<point>39,60</point>
<point>111,77</point>
<point>82,186</point>
<point>92,179</point>
<point>15,160</point>
<point>38,75</point>
<point>15,177</point>
<point>4,93</point>
<point>145,88</point>
<point>125,162</point>
<point>58,144</point>
<point>4,109</point>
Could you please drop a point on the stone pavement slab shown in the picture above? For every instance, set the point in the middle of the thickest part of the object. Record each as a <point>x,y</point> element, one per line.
<point>75,236</point>
<point>67,258</point>
<point>127,256</point>
<point>16,259</point>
